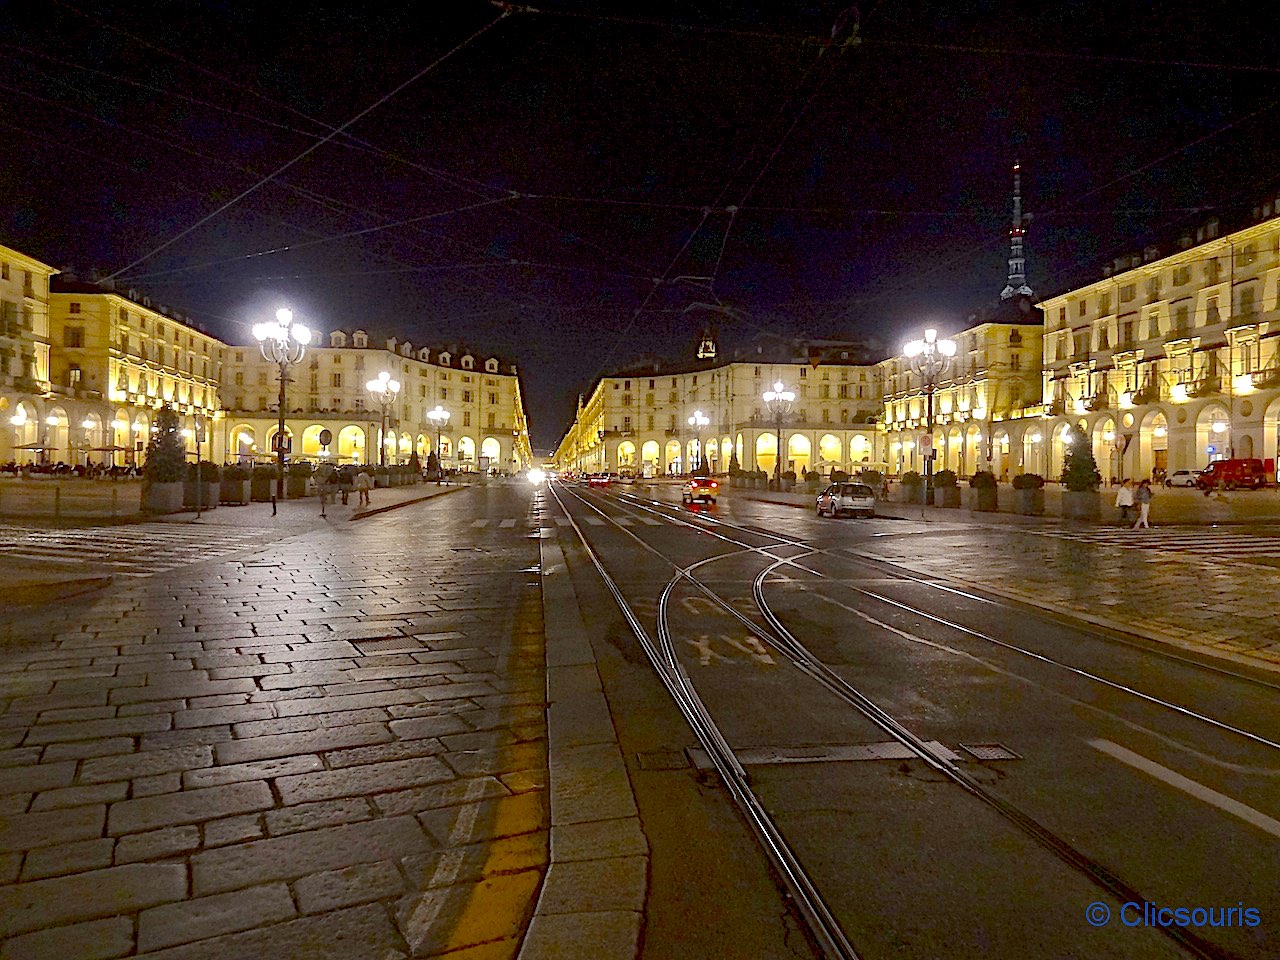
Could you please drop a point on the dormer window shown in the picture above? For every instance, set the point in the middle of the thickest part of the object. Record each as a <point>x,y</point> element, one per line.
<point>406,349</point>
<point>467,362</point>
<point>424,355</point>
<point>445,359</point>
<point>360,339</point>
<point>491,365</point>
<point>337,339</point>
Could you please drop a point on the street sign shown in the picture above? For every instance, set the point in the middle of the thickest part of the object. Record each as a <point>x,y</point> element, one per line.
<point>326,437</point>
<point>926,443</point>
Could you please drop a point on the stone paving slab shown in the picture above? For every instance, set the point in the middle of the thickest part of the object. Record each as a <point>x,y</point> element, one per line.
<point>282,754</point>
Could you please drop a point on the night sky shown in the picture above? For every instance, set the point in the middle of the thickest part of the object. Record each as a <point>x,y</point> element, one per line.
<point>598,157</point>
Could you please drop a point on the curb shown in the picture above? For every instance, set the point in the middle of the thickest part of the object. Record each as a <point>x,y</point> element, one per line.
<point>35,594</point>
<point>591,903</point>
<point>403,503</point>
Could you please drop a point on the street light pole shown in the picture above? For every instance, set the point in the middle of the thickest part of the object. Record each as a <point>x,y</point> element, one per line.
<point>384,391</point>
<point>282,343</point>
<point>779,401</point>
<point>698,421</point>
<point>439,416</point>
<point>929,359</point>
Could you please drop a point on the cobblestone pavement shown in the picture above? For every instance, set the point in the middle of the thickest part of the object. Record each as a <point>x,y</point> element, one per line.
<point>333,748</point>
<point>1217,592</point>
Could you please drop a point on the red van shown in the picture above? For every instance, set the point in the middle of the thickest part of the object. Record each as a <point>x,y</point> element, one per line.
<point>1231,474</point>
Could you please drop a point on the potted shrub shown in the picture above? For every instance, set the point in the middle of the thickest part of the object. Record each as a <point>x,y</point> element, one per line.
<point>912,487</point>
<point>381,478</point>
<point>297,480</point>
<point>235,486</point>
<point>262,482</point>
<point>812,481</point>
<point>788,481</point>
<point>983,492</point>
<point>201,481</point>
<point>165,465</point>
<point>1081,478</point>
<point>1028,494</point>
<point>946,489</point>
<point>839,476</point>
<point>414,470</point>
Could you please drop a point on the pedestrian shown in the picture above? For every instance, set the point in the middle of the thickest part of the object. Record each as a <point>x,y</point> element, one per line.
<point>345,482</point>
<point>1142,497</point>
<point>1124,499</point>
<point>364,483</point>
<point>328,488</point>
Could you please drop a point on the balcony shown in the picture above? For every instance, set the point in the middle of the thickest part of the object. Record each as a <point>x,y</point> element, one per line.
<point>1097,402</point>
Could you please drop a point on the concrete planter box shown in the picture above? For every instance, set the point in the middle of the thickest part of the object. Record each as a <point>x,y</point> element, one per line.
<point>913,493</point>
<point>984,500</point>
<point>261,489</point>
<point>235,491</point>
<point>162,497</point>
<point>784,486</point>
<point>1081,504</point>
<point>208,493</point>
<point>1029,503</point>
<point>946,497</point>
<point>381,481</point>
<point>297,487</point>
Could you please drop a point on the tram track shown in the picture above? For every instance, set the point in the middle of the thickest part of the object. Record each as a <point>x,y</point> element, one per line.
<point>796,653</point>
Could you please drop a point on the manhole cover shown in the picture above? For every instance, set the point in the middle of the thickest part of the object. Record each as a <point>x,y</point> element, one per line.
<point>989,751</point>
<point>389,645</point>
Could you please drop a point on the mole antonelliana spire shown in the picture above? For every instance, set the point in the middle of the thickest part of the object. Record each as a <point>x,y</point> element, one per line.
<point>1017,285</point>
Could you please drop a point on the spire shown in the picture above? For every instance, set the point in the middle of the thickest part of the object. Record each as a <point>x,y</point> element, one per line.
<point>1017,285</point>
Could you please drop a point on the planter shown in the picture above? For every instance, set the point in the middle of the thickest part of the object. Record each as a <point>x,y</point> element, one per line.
<point>1030,503</point>
<point>235,491</point>
<point>784,486</point>
<point>984,500</point>
<point>946,497</point>
<point>913,493</point>
<point>208,492</point>
<point>261,489</point>
<point>296,487</point>
<point>162,497</point>
<point>381,481</point>
<point>1081,504</point>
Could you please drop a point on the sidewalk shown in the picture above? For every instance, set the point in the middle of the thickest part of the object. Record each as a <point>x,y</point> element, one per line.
<point>335,748</point>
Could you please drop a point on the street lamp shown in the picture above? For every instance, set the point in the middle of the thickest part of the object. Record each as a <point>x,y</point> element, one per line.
<point>282,343</point>
<point>439,417</point>
<point>87,426</point>
<point>384,391</point>
<point>779,401</point>
<point>698,421</point>
<point>929,359</point>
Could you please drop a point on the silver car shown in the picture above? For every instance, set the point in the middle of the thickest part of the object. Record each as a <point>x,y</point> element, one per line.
<point>845,499</point>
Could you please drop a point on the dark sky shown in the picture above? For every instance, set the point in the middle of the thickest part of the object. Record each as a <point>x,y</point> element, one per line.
<point>872,180</point>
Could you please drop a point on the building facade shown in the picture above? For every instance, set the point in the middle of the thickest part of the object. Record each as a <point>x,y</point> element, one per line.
<point>637,421</point>
<point>85,366</point>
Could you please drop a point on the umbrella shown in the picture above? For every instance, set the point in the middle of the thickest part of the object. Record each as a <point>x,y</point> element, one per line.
<point>34,446</point>
<point>111,449</point>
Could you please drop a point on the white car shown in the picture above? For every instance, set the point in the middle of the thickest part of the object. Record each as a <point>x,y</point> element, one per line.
<point>1182,478</point>
<point>842,499</point>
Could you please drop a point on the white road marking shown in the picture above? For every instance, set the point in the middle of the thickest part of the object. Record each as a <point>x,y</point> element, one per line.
<point>1191,787</point>
<point>562,521</point>
<point>507,523</point>
<point>595,521</point>
<point>651,522</point>
<point>479,523</point>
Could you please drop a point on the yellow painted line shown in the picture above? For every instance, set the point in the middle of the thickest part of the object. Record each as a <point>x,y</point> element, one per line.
<point>1190,787</point>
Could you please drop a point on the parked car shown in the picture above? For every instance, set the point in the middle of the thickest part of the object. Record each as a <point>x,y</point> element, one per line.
<point>841,499</point>
<point>1230,474</point>
<point>1182,478</point>
<point>598,480</point>
<point>700,489</point>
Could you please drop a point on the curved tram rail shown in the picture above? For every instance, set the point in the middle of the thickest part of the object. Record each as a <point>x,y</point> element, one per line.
<point>822,925</point>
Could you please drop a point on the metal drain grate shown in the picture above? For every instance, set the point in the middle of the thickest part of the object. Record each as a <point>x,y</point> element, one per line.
<point>389,645</point>
<point>989,751</point>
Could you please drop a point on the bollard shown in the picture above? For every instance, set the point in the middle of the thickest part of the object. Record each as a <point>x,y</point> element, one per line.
<point>273,505</point>
<point>57,499</point>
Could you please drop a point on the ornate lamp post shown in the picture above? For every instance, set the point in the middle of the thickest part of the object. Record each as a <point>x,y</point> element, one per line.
<point>384,391</point>
<point>698,421</point>
<point>779,401</point>
<point>929,359</point>
<point>282,343</point>
<point>439,418</point>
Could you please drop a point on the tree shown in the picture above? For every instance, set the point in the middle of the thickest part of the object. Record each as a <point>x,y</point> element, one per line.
<point>433,464</point>
<point>166,457</point>
<point>735,467</point>
<point>1079,469</point>
<point>415,465</point>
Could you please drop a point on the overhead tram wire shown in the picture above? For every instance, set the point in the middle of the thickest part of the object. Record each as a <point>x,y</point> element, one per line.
<point>311,149</point>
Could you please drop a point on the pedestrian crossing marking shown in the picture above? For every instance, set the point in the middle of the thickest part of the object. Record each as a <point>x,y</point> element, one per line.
<point>563,521</point>
<point>651,522</point>
<point>479,523</point>
<point>1210,544</point>
<point>595,521</point>
<point>623,521</point>
<point>139,549</point>
<point>507,523</point>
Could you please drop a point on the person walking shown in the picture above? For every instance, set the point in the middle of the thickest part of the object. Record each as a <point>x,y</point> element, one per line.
<point>346,478</point>
<point>1124,500</point>
<point>364,483</point>
<point>1142,498</point>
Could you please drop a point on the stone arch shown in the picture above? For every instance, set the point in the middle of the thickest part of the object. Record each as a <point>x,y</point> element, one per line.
<point>766,452</point>
<point>737,445</point>
<point>726,453</point>
<point>830,452</point>
<point>860,448</point>
<point>650,454</point>
<point>311,441</point>
<point>693,451</point>
<point>57,437</point>
<point>492,449</point>
<point>422,447</point>
<point>626,457</point>
<point>466,450</point>
<point>243,443</point>
<point>799,453</point>
<point>673,456</point>
<point>1106,441</point>
<point>446,447</point>
<point>271,439</point>
<point>974,449</point>
<point>405,446</point>
<point>351,441</point>
<point>952,459</point>
<point>1213,439</point>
